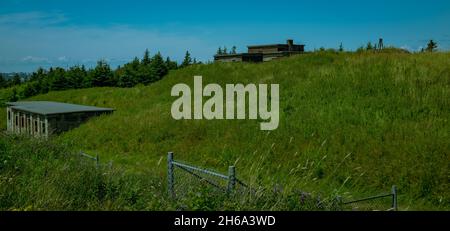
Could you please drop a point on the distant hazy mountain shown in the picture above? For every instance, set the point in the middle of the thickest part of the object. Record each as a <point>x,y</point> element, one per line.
<point>10,75</point>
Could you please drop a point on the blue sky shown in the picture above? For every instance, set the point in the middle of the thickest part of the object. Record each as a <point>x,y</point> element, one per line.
<point>62,33</point>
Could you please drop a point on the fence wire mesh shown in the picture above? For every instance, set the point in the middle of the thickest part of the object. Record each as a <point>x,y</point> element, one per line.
<point>186,182</point>
<point>380,203</point>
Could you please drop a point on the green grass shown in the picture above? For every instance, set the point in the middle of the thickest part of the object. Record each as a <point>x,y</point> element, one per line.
<point>350,124</point>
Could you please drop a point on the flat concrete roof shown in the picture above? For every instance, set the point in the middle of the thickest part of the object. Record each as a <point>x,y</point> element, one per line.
<point>272,45</point>
<point>52,108</point>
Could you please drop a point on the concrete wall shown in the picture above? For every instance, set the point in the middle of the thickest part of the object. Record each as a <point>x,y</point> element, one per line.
<point>263,50</point>
<point>229,59</point>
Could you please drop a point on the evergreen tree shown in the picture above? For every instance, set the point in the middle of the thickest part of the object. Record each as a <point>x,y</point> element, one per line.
<point>13,97</point>
<point>130,74</point>
<point>369,46</point>
<point>225,51</point>
<point>187,60</point>
<point>3,82</point>
<point>75,77</point>
<point>233,50</point>
<point>341,48</point>
<point>360,49</point>
<point>431,46</point>
<point>126,76</point>
<point>219,51</point>
<point>30,89</point>
<point>159,67</point>
<point>171,65</point>
<point>146,60</point>
<point>102,76</point>
<point>57,79</point>
<point>16,80</point>
<point>39,75</point>
<point>146,74</point>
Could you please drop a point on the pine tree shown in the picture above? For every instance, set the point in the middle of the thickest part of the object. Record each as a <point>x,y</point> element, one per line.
<point>360,49</point>
<point>75,77</point>
<point>369,46</point>
<point>225,51</point>
<point>233,50</point>
<point>187,60</point>
<point>2,81</point>
<point>57,79</point>
<point>101,75</point>
<point>13,97</point>
<point>16,80</point>
<point>146,60</point>
<point>431,46</point>
<point>171,65</point>
<point>341,48</point>
<point>30,89</point>
<point>125,76</point>
<point>219,51</point>
<point>159,67</point>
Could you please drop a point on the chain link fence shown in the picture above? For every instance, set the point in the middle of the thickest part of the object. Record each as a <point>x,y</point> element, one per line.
<point>188,181</point>
<point>184,178</point>
<point>383,202</point>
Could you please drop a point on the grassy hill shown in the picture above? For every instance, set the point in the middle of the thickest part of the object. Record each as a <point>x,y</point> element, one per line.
<point>350,124</point>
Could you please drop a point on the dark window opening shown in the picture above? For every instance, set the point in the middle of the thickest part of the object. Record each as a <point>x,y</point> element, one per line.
<point>22,122</point>
<point>17,120</point>
<point>43,127</point>
<point>35,126</point>
<point>9,115</point>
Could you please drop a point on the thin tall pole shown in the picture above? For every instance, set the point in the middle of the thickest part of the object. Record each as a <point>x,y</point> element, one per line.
<point>394,198</point>
<point>231,178</point>
<point>170,178</point>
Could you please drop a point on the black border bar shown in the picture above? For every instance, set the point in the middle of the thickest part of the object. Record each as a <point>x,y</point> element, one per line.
<point>166,220</point>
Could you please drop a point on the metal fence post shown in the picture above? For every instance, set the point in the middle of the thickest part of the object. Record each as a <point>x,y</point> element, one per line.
<point>394,198</point>
<point>97,161</point>
<point>170,180</point>
<point>339,203</point>
<point>231,178</point>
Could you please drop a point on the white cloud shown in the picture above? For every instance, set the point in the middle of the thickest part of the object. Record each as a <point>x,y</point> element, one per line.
<point>32,59</point>
<point>63,59</point>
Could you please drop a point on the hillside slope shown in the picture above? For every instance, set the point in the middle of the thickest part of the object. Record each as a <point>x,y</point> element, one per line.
<point>350,124</point>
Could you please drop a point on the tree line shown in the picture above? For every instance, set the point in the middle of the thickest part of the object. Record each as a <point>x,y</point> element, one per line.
<point>6,82</point>
<point>224,51</point>
<point>147,70</point>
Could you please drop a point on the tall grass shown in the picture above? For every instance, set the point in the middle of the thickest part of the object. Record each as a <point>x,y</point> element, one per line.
<point>350,124</point>
<point>41,175</point>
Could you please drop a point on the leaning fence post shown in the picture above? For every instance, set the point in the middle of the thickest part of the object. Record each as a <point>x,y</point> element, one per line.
<point>394,198</point>
<point>170,179</point>
<point>231,178</point>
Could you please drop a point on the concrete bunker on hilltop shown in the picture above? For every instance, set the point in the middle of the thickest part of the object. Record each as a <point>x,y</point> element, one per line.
<point>44,118</point>
<point>262,53</point>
